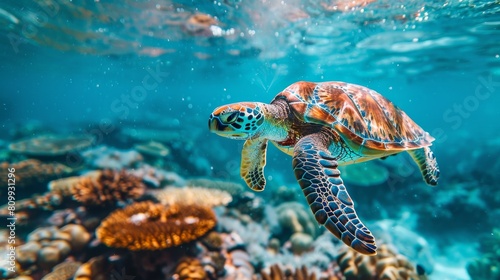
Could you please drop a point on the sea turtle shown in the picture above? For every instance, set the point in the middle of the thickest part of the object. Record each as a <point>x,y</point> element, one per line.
<point>323,125</point>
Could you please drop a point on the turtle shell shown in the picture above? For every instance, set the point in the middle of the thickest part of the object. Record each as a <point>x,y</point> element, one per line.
<point>362,116</point>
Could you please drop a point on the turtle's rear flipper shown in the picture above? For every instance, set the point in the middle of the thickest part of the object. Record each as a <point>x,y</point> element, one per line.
<point>316,171</point>
<point>427,163</point>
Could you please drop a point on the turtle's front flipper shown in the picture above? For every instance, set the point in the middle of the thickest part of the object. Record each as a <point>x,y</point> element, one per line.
<point>316,171</point>
<point>253,160</point>
<point>427,163</point>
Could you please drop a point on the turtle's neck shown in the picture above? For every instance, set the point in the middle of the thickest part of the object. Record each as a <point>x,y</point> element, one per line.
<point>276,122</point>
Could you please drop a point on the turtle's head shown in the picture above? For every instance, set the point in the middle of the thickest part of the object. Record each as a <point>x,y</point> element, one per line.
<point>237,121</point>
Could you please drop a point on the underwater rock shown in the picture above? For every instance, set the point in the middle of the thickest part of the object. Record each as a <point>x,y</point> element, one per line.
<point>109,188</point>
<point>150,226</point>
<point>51,145</point>
<point>364,174</point>
<point>63,271</point>
<point>103,157</point>
<point>79,237</point>
<point>385,265</point>
<point>301,242</point>
<point>189,269</point>
<point>192,196</point>
<point>293,217</point>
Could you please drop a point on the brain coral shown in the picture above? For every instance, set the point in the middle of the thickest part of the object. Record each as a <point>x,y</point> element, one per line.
<point>150,226</point>
<point>386,265</point>
<point>193,196</point>
<point>108,188</point>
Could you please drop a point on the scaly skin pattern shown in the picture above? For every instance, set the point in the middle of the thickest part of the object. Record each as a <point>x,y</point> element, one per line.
<point>316,171</point>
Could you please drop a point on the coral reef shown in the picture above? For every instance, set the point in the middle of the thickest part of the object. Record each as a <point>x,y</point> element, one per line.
<point>385,265</point>
<point>103,157</point>
<point>63,271</point>
<point>65,186</point>
<point>277,273</point>
<point>50,145</point>
<point>149,226</point>
<point>301,242</point>
<point>46,247</point>
<point>156,178</point>
<point>189,269</point>
<point>108,188</point>
<point>192,196</point>
<point>32,172</point>
<point>293,217</point>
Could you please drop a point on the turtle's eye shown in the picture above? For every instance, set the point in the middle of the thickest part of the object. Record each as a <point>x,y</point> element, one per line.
<point>229,117</point>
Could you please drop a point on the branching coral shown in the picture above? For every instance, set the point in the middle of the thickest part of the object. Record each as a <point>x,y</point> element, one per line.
<point>108,188</point>
<point>193,196</point>
<point>50,145</point>
<point>386,265</point>
<point>150,226</point>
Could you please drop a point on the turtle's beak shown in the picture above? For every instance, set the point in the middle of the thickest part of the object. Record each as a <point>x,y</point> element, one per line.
<point>216,126</point>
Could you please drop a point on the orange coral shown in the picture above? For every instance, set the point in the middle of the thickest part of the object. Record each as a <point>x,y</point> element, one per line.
<point>108,188</point>
<point>150,226</point>
<point>387,265</point>
<point>190,269</point>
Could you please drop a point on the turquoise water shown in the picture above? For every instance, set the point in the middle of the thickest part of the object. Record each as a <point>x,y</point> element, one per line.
<point>102,68</point>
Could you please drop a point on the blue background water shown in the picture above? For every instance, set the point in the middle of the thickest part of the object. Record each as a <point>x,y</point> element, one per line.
<point>143,64</point>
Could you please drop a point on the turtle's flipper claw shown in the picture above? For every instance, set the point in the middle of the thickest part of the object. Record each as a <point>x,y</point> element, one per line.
<point>253,160</point>
<point>317,173</point>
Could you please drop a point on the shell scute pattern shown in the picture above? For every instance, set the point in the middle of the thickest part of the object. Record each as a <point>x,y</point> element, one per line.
<point>361,115</point>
